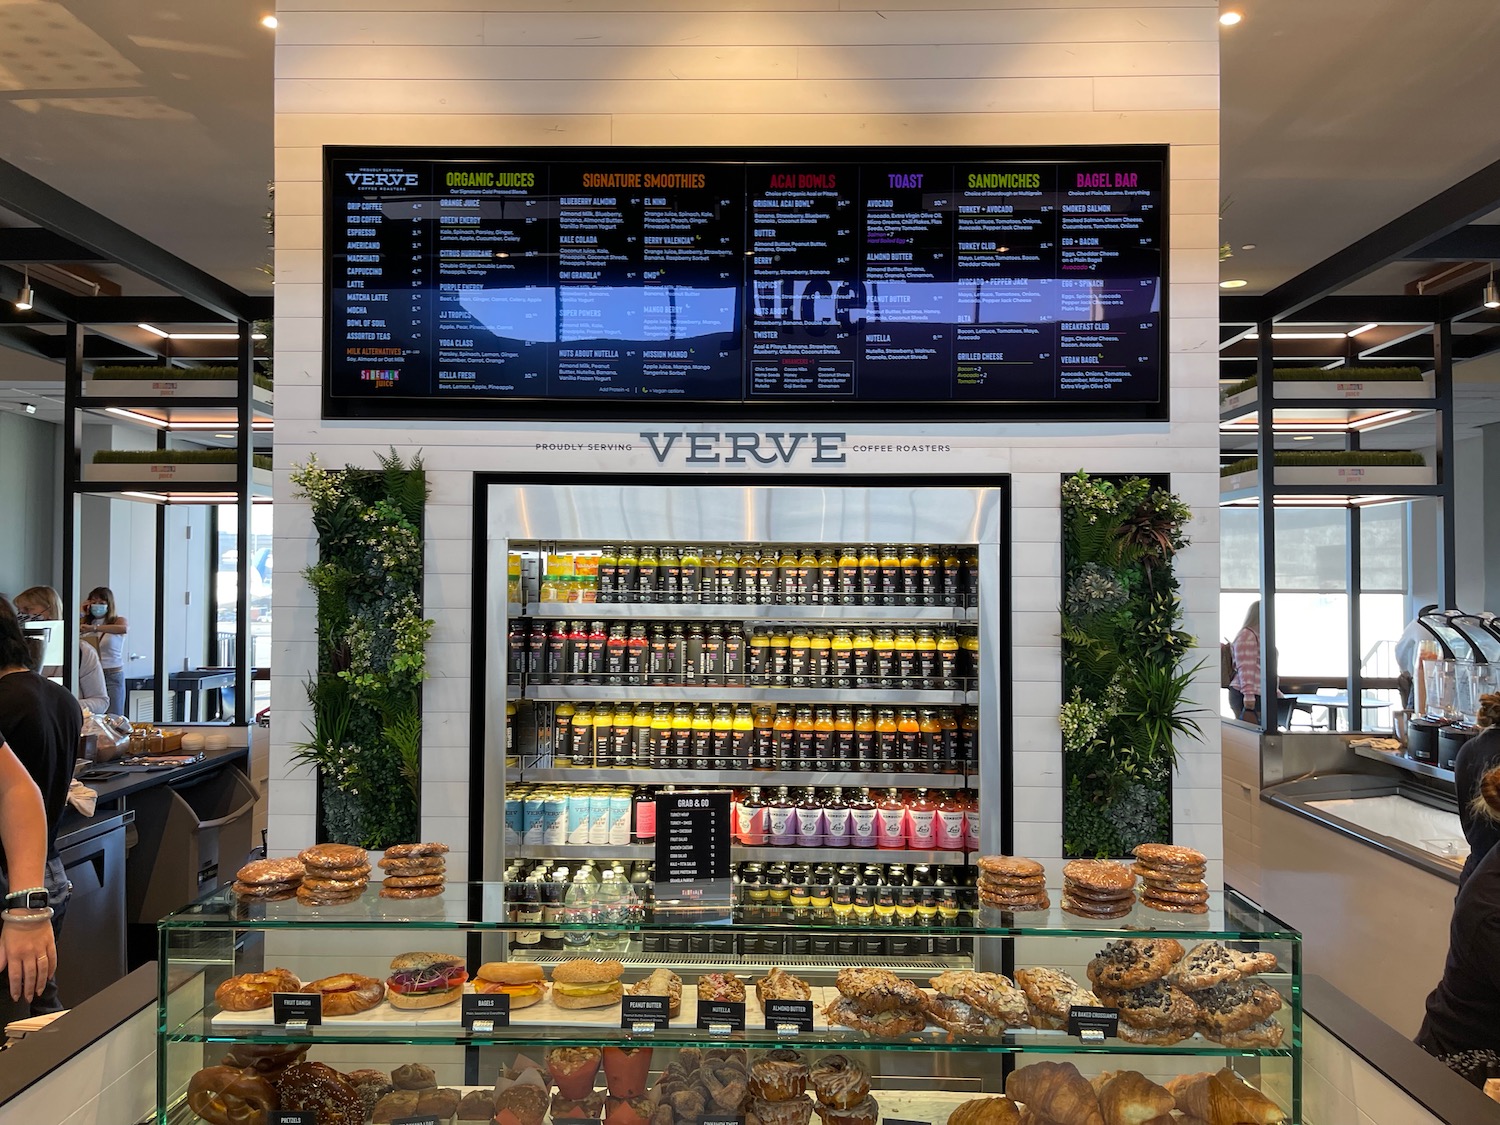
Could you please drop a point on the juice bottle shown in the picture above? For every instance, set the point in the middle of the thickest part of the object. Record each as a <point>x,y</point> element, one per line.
<point>785,737</point>
<point>668,576</point>
<point>758,659</point>
<point>690,662</point>
<point>515,651</point>
<point>929,576</point>
<point>821,894</point>
<point>781,821</point>
<point>681,756</point>
<point>711,667</point>
<point>864,905</point>
<point>906,658</point>
<point>742,737</point>
<point>921,822</point>
<point>849,576</point>
<point>824,754</point>
<point>863,830</point>
<point>721,745</point>
<point>562,734</point>
<point>828,577</point>
<point>627,574</point>
<point>637,655</point>
<point>820,659</point>
<point>676,654</point>
<point>887,742</point>
<point>843,905</point>
<point>968,661</point>
<point>536,653</point>
<point>971,820</point>
<point>604,721</point>
<point>645,579</point>
<point>947,747</point>
<point>862,658</point>
<point>947,660</point>
<point>869,575</point>
<point>734,656</point>
<point>841,659</point>
<point>906,908</point>
<point>885,906</point>
<point>701,740</point>
<point>890,821</point>
<point>690,575</point>
<point>927,911</point>
<point>615,648</point>
<point>606,569</point>
<point>843,739</point>
<point>780,657</point>
<point>968,740</point>
<point>578,652</point>
<point>621,737</point>
<point>799,657</point>
<point>811,576</point>
<point>909,740</point>
<point>708,576</point>
<point>582,752</point>
<point>763,745</point>
<point>950,834</point>
<point>809,819</point>
<point>640,737</point>
<point>930,728</point>
<point>890,575</point>
<point>927,660</point>
<point>802,738</point>
<point>969,576</point>
<point>911,576</point>
<point>643,816</point>
<point>750,827</point>
<point>952,579</point>
<point>727,590</point>
<point>660,756</point>
<point>837,824</point>
<point>866,747</point>
<point>885,659</point>
<point>594,666</point>
<point>511,757</point>
<point>750,577</point>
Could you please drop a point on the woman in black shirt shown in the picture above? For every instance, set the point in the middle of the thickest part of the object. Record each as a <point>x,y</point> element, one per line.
<point>1475,758</point>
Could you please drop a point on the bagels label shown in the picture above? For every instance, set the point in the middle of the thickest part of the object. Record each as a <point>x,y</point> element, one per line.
<point>289,1006</point>
<point>492,1006</point>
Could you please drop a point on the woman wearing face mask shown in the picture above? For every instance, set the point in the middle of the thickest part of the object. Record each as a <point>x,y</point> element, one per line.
<point>106,630</point>
<point>41,603</point>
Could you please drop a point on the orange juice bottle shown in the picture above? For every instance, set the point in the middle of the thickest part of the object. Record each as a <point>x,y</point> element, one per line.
<point>824,755</point>
<point>887,741</point>
<point>866,750</point>
<point>909,739</point>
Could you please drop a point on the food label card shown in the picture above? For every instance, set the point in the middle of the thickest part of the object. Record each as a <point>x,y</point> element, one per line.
<point>721,1013</point>
<point>637,1010</point>
<point>289,1006</point>
<point>782,1015</point>
<point>292,1117</point>
<point>1094,1023</point>
<point>428,1119</point>
<point>480,1006</point>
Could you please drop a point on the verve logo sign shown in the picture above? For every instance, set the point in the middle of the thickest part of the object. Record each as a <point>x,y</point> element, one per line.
<point>747,447</point>
<point>381,179</point>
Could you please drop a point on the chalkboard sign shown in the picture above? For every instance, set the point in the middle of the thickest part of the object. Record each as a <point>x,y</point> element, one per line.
<point>638,1010</point>
<point>721,1013</point>
<point>1093,1023</point>
<point>492,1006</point>
<point>844,283</point>
<point>782,1015</point>
<point>289,1006</point>
<point>692,851</point>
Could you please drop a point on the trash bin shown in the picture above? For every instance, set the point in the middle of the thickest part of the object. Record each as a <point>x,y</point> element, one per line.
<point>191,838</point>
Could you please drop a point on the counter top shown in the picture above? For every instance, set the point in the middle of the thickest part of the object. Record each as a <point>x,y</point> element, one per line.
<point>136,778</point>
<point>75,828</point>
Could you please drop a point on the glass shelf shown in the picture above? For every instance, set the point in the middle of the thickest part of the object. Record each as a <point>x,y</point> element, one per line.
<point>767,613</point>
<point>581,775</point>
<point>737,693</point>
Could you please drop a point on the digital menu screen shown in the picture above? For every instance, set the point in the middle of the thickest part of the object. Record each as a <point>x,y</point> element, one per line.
<point>620,283</point>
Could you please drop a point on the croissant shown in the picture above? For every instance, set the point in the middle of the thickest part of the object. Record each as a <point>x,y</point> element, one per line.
<point>1233,1101</point>
<point>1130,1098</point>
<point>1191,1092</point>
<point>1055,1092</point>
<point>986,1111</point>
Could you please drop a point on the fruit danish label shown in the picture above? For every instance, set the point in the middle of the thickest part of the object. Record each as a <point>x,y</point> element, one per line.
<point>1094,1023</point>
<point>479,1006</point>
<point>289,1006</point>
<point>781,1014</point>
<point>721,1013</point>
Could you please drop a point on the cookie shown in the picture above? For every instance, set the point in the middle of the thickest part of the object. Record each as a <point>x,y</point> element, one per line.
<point>309,897</point>
<point>1012,881</point>
<point>1133,962</point>
<point>408,851</point>
<point>334,886</point>
<point>1014,866</point>
<point>333,855</point>
<point>1152,1007</point>
<point>1098,875</point>
<point>1176,907</point>
<point>410,881</point>
<point>416,865</point>
<point>262,872</point>
<point>268,892</point>
<point>1041,902</point>
<point>1094,909</point>
<point>410,892</point>
<point>1170,882</point>
<point>1093,894</point>
<point>1011,892</point>
<point>1162,894</point>
<point>1168,855</point>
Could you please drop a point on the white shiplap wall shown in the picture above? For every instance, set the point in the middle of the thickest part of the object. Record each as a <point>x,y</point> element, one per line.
<point>754,72</point>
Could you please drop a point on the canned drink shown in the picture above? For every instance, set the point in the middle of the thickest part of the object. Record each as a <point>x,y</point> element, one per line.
<point>532,818</point>
<point>578,817</point>
<point>515,820</point>
<point>619,817</point>
<point>599,817</point>
<point>554,818</point>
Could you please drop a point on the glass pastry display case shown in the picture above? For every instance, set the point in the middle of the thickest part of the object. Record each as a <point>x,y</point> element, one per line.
<point>625,1025</point>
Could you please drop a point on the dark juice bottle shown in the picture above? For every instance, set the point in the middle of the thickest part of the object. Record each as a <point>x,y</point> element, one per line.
<point>594,670</point>
<point>734,656</point>
<point>824,752</point>
<point>727,588</point>
<point>645,579</point>
<point>669,576</point>
<point>843,739</point>
<point>909,738</point>
<point>887,741</point>
<point>604,585</point>
<point>828,577</point>
<point>866,750</point>
<point>763,740</point>
<point>637,655</point>
<point>627,574</point>
<point>578,651</point>
<point>849,576</point>
<point>802,737</point>
<point>536,653</point>
<point>711,665</point>
<point>785,737</point>
<point>616,647</point>
<point>690,575</point>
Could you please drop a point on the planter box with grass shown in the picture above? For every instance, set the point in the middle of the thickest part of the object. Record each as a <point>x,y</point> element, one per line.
<point>1389,469</point>
<point>1353,384</point>
<point>171,382</point>
<point>171,466</point>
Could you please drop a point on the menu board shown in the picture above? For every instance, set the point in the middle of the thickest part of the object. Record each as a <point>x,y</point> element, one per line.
<point>631,283</point>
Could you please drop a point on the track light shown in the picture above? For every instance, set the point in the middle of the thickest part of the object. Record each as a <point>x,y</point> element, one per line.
<point>24,298</point>
<point>1491,294</point>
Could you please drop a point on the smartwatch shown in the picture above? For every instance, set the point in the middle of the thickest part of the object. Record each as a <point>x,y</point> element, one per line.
<point>27,900</point>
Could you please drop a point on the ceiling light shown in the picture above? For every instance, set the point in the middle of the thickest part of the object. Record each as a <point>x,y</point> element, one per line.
<point>1300,335</point>
<point>1491,295</point>
<point>1362,329</point>
<point>1248,246</point>
<point>1229,19</point>
<point>155,331</point>
<point>24,298</point>
<point>165,335</point>
<point>1302,437</point>
<point>30,408</point>
<point>1234,283</point>
<point>268,21</point>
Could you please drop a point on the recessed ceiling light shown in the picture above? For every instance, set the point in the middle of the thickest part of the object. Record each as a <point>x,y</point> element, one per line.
<point>1302,437</point>
<point>1229,19</point>
<point>1362,329</point>
<point>1234,283</point>
<point>270,21</point>
<point>1248,246</point>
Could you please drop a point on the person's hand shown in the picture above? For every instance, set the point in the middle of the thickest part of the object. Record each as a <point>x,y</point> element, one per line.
<point>27,950</point>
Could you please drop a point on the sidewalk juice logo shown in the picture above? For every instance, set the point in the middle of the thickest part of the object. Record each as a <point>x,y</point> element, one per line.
<point>379,377</point>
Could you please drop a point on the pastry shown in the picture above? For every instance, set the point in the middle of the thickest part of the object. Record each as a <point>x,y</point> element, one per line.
<point>226,1095</point>
<point>1153,1006</point>
<point>793,1111</point>
<point>322,857</point>
<point>626,1071</point>
<point>407,851</point>
<point>587,1108</point>
<point>269,1060</point>
<point>1168,856</point>
<point>1055,1092</point>
<point>345,994</point>
<point>522,981</point>
<point>270,872</point>
<point>889,1022</point>
<point>628,1111</point>
<point>371,1085</point>
<point>1235,1005</point>
<point>1267,1033</point>
<point>250,992</point>
<point>959,1018</point>
<point>521,1103</point>
<point>412,882</point>
<point>322,1090</point>
<point>985,1111</point>
<point>662,982</point>
<point>310,896</point>
<point>721,986</point>
<point>862,1112</point>
<point>410,892</point>
<point>1010,866</point>
<point>394,1106</point>
<point>587,984</point>
<point>778,1075</point>
<point>778,984</point>
<point>1213,962</point>
<point>1128,1097</point>
<point>1099,875</point>
<point>1132,962</point>
<point>991,993</point>
<point>877,990</point>
<point>477,1105</point>
<point>1225,1097</point>
<point>1052,995</point>
<point>1153,1037</point>
<point>414,1076</point>
<point>839,1081</point>
<point>265,892</point>
<point>573,1069</point>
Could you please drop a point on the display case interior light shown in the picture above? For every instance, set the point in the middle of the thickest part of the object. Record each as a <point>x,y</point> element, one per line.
<point>260,425</point>
<point>163,334</point>
<point>1351,422</point>
<point>1329,501</point>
